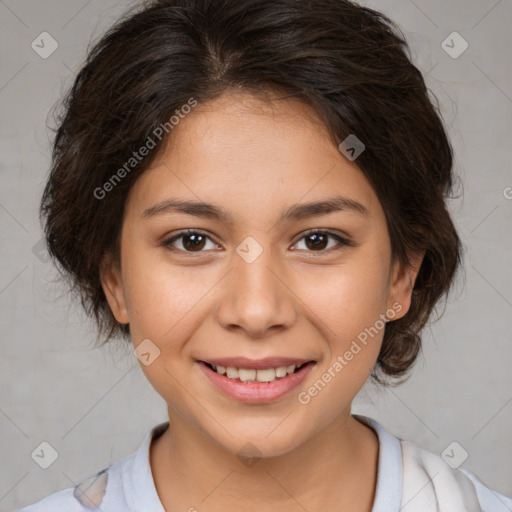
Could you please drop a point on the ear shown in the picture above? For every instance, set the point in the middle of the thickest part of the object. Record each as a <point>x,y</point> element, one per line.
<point>112,284</point>
<point>403,278</point>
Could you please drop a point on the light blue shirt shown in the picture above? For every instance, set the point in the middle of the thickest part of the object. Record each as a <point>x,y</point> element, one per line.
<point>409,479</point>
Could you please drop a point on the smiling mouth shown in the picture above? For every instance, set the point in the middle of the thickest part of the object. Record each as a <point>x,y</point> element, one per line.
<point>253,375</point>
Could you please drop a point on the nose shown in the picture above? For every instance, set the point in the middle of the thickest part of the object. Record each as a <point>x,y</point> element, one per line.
<point>255,297</point>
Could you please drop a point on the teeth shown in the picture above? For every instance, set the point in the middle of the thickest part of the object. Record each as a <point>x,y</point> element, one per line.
<point>246,374</point>
<point>281,371</point>
<point>266,375</point>
<point>232,373</point>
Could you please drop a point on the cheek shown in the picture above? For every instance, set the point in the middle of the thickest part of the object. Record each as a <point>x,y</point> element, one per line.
<point>164,307</point>
<point>163,300</point>
<point>350,297</point>
<point>348,306</point>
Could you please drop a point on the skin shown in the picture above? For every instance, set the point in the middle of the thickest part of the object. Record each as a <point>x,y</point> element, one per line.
<point>255,159</point>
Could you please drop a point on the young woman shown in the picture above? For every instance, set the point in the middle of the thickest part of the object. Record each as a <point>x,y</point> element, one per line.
<point>252,192</point>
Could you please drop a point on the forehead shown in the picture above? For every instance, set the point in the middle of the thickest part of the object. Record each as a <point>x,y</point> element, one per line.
<point>251,155</point>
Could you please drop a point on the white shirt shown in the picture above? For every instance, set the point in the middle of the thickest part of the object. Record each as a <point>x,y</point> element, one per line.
<point>409,479</point>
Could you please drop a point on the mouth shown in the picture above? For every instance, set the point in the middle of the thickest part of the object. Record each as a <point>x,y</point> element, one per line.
<point>256,381</point>
<point>253,374</point>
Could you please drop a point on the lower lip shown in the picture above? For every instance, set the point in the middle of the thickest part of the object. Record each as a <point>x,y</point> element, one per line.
<point>257,392</point>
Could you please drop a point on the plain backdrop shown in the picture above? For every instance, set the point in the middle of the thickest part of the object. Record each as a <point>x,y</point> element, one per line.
<point>94,405</point>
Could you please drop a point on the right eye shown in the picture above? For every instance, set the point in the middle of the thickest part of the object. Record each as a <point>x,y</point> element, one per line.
<point>191,240</point>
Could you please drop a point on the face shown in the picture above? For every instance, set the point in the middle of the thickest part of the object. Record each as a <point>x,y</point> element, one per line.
<point>249,279</point>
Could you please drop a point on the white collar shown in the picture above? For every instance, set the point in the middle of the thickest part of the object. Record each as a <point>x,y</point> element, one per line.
<point>140,491</point>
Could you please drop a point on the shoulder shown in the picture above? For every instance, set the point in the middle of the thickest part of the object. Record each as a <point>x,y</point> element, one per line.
<point>430,483</point>
<point>126,485</point>
<point>84,496</point>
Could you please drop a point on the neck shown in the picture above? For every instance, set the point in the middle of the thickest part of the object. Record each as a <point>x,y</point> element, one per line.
<point>337,464</point>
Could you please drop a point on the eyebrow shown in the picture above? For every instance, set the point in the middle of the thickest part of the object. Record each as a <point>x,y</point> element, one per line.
<point>294,212</point>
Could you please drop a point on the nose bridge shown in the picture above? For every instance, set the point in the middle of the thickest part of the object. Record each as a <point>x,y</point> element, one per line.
<point>255,298</point>
<point>254,280</point>
<point>256,277</point>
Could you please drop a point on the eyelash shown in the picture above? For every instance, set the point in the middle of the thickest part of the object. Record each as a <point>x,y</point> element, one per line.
<point>343,242</point>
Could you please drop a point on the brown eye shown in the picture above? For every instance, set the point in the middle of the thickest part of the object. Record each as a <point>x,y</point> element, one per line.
<point>193,242</point>
<point>318,241</point>
<point>190,241</point>
<point>196,241</point>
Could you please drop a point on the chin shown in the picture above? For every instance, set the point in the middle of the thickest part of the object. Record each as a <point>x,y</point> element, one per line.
<point>258,444</point>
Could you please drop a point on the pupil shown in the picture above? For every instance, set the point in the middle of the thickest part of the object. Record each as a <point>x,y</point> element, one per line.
<point>195,244</point>
<point>316,242</point>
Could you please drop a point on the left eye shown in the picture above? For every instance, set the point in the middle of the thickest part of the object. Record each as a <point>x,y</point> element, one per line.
<point>317,240</point>
<point>195,241</point>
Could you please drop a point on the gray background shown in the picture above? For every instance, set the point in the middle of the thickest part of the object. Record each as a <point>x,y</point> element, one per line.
<point>94,405</point>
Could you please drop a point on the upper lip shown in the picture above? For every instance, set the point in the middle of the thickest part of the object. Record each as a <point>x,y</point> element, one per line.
<point>257,364</point>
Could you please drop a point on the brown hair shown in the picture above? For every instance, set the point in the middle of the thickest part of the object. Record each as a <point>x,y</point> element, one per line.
<point>350,63</point>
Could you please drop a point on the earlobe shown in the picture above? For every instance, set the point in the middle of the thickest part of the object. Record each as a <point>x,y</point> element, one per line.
<point>402,282</point>
<point>112,284</point>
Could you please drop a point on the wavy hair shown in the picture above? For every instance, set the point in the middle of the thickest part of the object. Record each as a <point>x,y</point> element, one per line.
<point>350,63</point>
